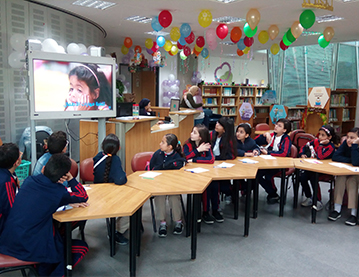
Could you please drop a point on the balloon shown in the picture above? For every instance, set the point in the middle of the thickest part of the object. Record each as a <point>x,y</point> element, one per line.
<point>248,41</point>
<point>185,30</point>
<point>49,45</point>
<point>127,84</point>
<point>205,18</point>
<point>253,17</point>
<point>290,36</point>
<point>177,83</point>
<point>222,31</point>
<point>182,40</point>
<point>186,51</point>
<point>274,49</point>
<point>183,56</point>
<point>248,31</point>
<point>61,50</point>
<point>296,29</point>
<point>16,59</point>
<point>322,42</point>
<point>155,47</point>
<point>190,38</point>
<point>196,53</point>
<point>307,19</point>
<point>171,77</point>
<point>204,53</point>
<point>286,41</point>
<point>198,49</point>
<point>168,45</point>
<point>240,52</point>
<point>263,37</point>
<point>73,49</point>
<point>121,78</point>
<point>240,44</point>
<point>124,49</point>
<point>138,49</point>
<point>283,46</point>
<point>126,59</point>
<point>149,51</point>
<point>17,41</point>
<point>194,80</point>
<point>175,33</point>
<point>236,34</point>
<point>212,45</point>
<point>127,42</point>
<point>148,43</point>
<point>200,41</point>
<point>273,31</point>
<point>131,52</point>
<point>179,45</point>
<point>160,41</point>
<point>155,24</point>
<point>174,49</point>
<point>328,33</point>
<point>82,47</point>
<point>165,18</point>
<point>165,100</point>
<point>246,50</point>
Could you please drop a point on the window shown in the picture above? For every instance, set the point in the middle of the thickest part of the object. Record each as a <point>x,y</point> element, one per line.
<point>346,68</point>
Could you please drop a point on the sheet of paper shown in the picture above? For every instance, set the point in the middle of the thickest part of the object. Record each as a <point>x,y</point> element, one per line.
<point>248,161</point>
<point>150,174</point>
<point>341,165</point>
<point>197,170</point>
<point>224,165</point>
<point>338,164</point>
<point>267,157</point>
<point>313,161</point>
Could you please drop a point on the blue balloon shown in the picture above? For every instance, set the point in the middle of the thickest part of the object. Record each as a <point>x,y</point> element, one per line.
<point>185,30</point>
<point>241,45</point>
<point>204,53</point>
<point>155,24</point>
<point>182,41</point>
<point>160,41</point>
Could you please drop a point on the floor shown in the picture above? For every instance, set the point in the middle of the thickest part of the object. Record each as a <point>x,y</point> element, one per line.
<point>287,246</point>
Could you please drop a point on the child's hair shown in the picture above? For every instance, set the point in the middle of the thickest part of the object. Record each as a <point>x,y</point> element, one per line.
<point>247,128</point>
<point>227,136</point>
<point>193,89</point>
<point>9,154</point>
<point>171,139</point>
<point>110,146</point>
<point>203,133</point>
<point>329,130</point>
<point>94,78</point>
<point>354,130</point>
<point>57,166</point>
<point>286,123</point>
<point>57,142</point>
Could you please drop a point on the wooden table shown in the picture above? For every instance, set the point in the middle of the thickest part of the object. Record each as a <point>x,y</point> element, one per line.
<point>237,172</point>
<point>263,132</point>
<point>323,168</point>
<point>174,182</point>
<point>106,201</point>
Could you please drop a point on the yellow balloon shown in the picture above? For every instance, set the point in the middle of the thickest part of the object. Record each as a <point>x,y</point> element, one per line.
<point>124,49</point>
<point>263,37</point>
<point>253,17</point>
<point>328,33</point>
<point>246,50</point>
<point>168,45</point>
<point>174,49</point>
<point>296,29</point>
<point>274,49</point>
<point>205,18</point>
<point>175,33</point>
<point>149,43</point>
<point>273,31</point>
<point>198,49</point>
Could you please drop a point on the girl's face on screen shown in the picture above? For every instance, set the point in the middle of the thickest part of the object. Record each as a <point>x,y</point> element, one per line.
<point>79,94</point>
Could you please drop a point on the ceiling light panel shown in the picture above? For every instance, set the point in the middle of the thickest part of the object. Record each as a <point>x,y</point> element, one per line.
<point>139,19</point>
<point>327,18</point>
<point>154,33</point>
<point>227,1</point>
<point>227,42</point>
<point>228,19</point>
<point>102,5</point>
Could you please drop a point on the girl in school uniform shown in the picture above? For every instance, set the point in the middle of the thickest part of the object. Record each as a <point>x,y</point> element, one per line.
<point>348,152</point>
<point>321,148</point>
<point>108,169</point>
<point>246,146</point>
<point>169,156</point>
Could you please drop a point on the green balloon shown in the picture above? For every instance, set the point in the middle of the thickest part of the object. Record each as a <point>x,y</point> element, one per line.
<point>322,42</point>
<point>307,19</point>
<point>290,36</point>
<point>286,41</point>
<point>248,31</point>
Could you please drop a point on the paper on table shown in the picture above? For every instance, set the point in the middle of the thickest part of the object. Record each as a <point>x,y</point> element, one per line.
<point>338,164</point>
<point>197,170</point>
<point>224,165</point>
<point>248,161</point>
<point>313,161</point>
<point>150,174</point>
<point>64,208</point>
<point>267,157</point>
<point>341,165</point>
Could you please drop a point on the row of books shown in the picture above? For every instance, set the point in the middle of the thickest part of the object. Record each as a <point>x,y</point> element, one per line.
<point>210,101</point>
<point>339,100</point>
<point>247,92</point>
<point>258,101</point>
<point>228,101</point>
<point>248,100</point>
<point>262,110</point>
<point>333,115</point>
<point>337,128</point>
<point>346,114</point>
<point>295,114</point>
<point>295,125</point>
<point>229,92</point>
<point>228,111</point>
<point>210,91</point>
<point>260,91</point>
<point>214,110</point>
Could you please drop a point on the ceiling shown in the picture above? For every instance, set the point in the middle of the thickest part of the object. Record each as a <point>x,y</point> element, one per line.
<point>279,12</point>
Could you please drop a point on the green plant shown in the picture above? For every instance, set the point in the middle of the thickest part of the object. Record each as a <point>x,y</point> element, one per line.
<point>121,88</point>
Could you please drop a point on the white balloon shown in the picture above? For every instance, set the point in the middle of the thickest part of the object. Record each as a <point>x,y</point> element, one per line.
<point>173,88</point>
<point>176,88</point>
<point>49,45</point>
<point>16,59</point>
<point>83,48</point>
<point>17,41</point>
<point>89,49</point>
<point>171,77</point>
<point>73,49</point>
<point>199,75</point>
<point>61,50</point>
<point>165,88</point>
<point>166,100</point>
<point>121,78</point>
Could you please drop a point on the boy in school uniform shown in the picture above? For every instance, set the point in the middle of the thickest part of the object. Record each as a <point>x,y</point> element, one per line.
<point>10,159</point>
<point>29,233</point>
<point>278,145</point>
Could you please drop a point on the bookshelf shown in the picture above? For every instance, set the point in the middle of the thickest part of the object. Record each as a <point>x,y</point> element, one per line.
<point>295,115</point>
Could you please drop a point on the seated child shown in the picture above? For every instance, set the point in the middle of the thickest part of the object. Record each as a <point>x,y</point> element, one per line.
<point>246,146</point>
<point>29,233</point>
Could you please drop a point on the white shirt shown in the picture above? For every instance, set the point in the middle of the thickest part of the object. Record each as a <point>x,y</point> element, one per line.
<point>216,151</point>
<point>277,140</point>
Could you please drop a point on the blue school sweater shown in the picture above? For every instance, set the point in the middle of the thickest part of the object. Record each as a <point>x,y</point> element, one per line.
<point>161,161</point>
<point>116,175</point>
<point>247,146</point>
<point>346,154</point>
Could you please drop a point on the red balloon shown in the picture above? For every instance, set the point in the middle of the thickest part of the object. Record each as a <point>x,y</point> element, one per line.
<point>200,41</point>
<point>236,34</point>
<point>165,18</point>
<point>248,41</point>
<point>170,53</point>
<point>240,52</point>
<point>190,38</point>
<point>155,47</point>
<point>186,51</point>
<point>179,45</point>
<point>222,31</point>
<point>283,46</point>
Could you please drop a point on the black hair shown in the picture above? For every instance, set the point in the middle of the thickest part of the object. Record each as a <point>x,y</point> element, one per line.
<point>57,166</point>
<point>203,133</point>
<point>57,142</point>
<point>287,124</point>
<point>228,141</point>
<point>335,138</point>
<point>94,78</point>
<point>354,130</point>
<point>110,146</point>
<point>247,128</point>
<point>171,139</point>
<point>9,154</point>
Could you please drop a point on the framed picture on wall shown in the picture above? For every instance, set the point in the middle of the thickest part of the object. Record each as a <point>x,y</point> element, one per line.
<point>126,74</point>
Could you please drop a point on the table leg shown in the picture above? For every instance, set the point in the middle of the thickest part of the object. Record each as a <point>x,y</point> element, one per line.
<point>296,188</point>
<point>282,193</point>
<point>112,236</point>
<point>196,206</point>
<point>315,193</point>
<point>255,198</point>
<point>236,197</point>
<point>68,248</point>
<point>248,207</point>
<point>133,237</point>
<point>188,219</point>
<point>138,231</point>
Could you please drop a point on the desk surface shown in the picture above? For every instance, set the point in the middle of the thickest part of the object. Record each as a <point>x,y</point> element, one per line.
<point>106,201</point>
<point>185,112</point>
<point>262,132</point>
<point>277,163</point>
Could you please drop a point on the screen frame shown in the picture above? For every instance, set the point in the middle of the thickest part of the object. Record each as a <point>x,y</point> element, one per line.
<point>38,55</point>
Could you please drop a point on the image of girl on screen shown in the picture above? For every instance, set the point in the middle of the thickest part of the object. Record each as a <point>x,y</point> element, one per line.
<point>89,89</point>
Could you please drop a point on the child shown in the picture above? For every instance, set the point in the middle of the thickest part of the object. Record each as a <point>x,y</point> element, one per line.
<point>29,233</point>
<point>223,144</point>
<point>89,89</point>
<point>197,148</point>
<point>321,148</point>
<point>278,145</point>
<point>169,156</point>
<point>246,146</point>
<point>108,169</point>
<point>10,159</point>
<point>348,152</point>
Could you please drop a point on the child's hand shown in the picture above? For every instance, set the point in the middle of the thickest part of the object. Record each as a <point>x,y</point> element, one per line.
<point>249,154</point>
<point>268,137</point>
<point>325,141</point>
<point>356,141</point>
<point>84,103</point>
<point>304,156</point>
<point>79,205</point>
<point>204,147</point>
<point>255,152</point>
<point>264,151</point>
<point>190,160</point>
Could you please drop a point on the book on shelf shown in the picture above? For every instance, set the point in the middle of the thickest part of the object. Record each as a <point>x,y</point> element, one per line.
<point>295,125</point>
<point>248,100</point>
<point>209,91</point>
<point>258,101</point>
<point>261,110</point>
<point>337,128</point>
<point>228,101</point>
<point>294,114</point>
<point>211,101</point>
<point>339,100</point>
<point>228,111</point>
<point>214,110</point>
<point>333,115</point>
<point>227,92</point>
<point>260,92</point>
<point>346,115</point>
<point>247,91</point>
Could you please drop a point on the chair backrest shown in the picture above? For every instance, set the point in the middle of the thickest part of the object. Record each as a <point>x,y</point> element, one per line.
<point>293,151</point>
<point>86,170</point>
<point>294,133</point>
<point>140,160</point>
<point>303,139</point>
<point>262,127</point>
<point>74,168</point>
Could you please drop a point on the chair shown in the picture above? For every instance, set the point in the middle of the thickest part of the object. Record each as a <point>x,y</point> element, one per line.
<point>302,139</point>
<point>262,127</point>
<point>86,170</point>
<point>8,264</point>
<point>74,168</point>
<point>294,133</point>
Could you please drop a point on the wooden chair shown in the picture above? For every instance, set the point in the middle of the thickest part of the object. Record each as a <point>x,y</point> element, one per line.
<point>8,264</point>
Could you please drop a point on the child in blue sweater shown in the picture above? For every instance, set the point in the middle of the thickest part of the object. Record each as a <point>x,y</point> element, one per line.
<point>246,146</point>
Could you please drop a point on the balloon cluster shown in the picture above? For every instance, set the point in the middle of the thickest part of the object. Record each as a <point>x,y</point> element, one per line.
<point>170,89</point>
<point>326,37</point>
<point>122,79</point>
<point>127,43</point>
<point>196,78</point>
